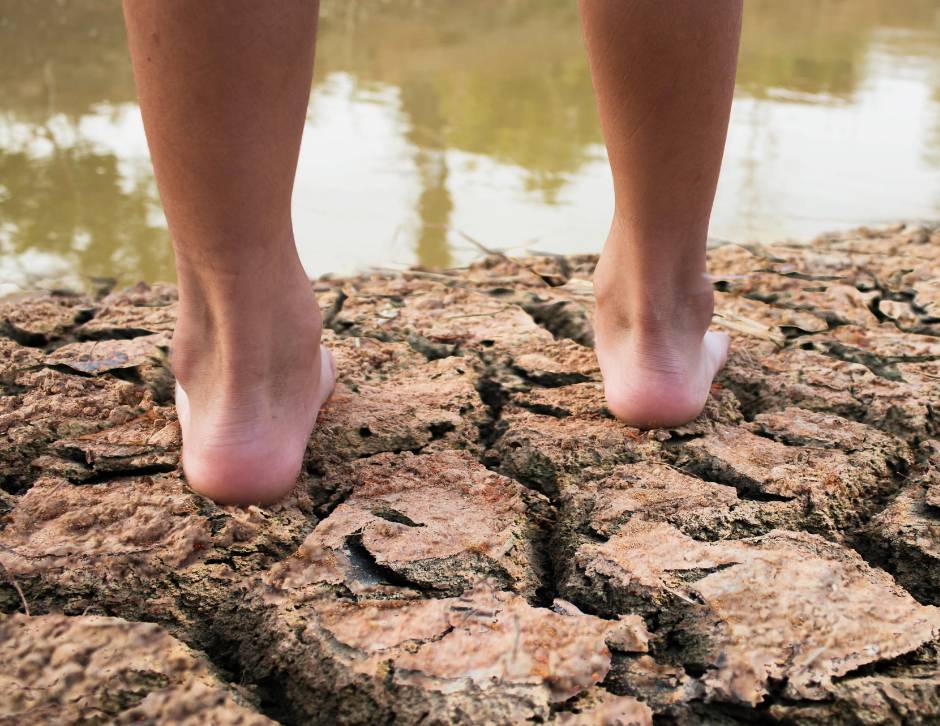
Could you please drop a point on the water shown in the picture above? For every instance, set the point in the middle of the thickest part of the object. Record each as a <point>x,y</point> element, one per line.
<point>435,123</point>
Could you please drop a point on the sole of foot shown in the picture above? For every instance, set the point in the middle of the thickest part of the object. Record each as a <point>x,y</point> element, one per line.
<point>254,453</point>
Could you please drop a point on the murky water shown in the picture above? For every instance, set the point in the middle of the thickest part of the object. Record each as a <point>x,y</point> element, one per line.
<point>437,122</point>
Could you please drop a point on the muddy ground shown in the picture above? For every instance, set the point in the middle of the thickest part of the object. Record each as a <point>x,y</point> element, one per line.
<point>475,539</point>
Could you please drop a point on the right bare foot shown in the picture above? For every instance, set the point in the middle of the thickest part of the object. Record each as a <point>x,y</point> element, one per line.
<point>252,377</point>
<point>657,357</point>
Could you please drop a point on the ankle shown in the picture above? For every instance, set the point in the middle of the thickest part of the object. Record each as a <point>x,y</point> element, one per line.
<point>230,278</point>
<point>244,328</point>
<point>652,310</point>
<point>641,289</point>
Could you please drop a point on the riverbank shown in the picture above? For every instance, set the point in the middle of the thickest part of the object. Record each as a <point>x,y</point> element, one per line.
<point>474,539</point>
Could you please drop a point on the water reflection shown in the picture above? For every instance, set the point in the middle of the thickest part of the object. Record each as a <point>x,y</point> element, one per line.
<point>76,207</point>
<point>817,50</point>
<point>436,118</point>
<point>71,207</point>
<point>510,79</point>
<point>62,58</point>
<point>422,105</point>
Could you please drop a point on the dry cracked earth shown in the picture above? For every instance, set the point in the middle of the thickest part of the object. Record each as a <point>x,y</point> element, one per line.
<point>474,538</point>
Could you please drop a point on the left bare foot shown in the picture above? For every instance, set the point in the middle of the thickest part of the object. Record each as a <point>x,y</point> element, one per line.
<point>250,387</point>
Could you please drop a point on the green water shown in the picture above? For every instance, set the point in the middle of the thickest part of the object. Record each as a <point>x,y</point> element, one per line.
<point>433,121</point>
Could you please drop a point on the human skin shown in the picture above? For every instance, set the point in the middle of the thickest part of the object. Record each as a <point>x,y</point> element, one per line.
<point>223,88</point>
<point>663,75</point>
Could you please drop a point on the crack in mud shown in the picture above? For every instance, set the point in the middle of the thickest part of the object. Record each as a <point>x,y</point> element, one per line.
<point>563,319</point>
<point>882,366</point>
<point>292,601</point>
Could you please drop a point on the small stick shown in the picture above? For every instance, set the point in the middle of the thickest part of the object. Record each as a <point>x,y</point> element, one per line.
<point>19,590</point>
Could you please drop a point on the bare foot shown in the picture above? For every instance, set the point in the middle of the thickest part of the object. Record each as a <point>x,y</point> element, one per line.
<point>251,382</point>
<point>656,356</point>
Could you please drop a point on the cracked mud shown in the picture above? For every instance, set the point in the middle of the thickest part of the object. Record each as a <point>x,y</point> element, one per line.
<point>473,538</point>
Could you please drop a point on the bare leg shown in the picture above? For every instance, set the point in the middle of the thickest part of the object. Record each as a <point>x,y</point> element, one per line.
<point>664,76</point>
<point>223,88</point>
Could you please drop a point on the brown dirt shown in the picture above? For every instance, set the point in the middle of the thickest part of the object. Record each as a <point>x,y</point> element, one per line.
<point>474,539</point>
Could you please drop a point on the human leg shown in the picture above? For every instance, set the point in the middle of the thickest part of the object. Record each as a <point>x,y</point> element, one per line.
<point>663,74</point>
<point>223,88</point>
